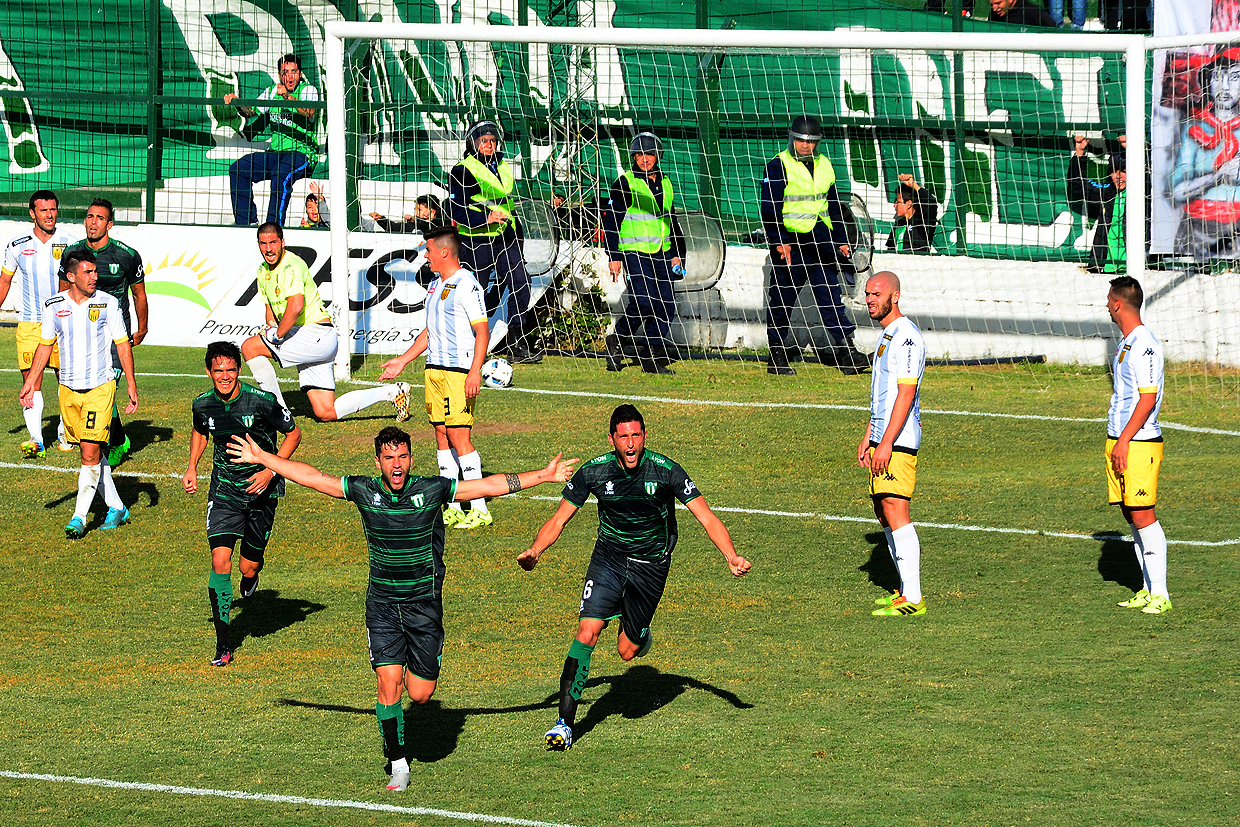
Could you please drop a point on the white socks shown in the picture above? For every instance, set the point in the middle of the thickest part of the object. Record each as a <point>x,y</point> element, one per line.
<point>471,469</point>
<point>1152,547</point>
<point>110,495</point>
<point>34,418</point>
<point>907,553</point>
<point>448,468</point>
<point>88,482</point>
<point>265,375</point>
<point>354,401</point>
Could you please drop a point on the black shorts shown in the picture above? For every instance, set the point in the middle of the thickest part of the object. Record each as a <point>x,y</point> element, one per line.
<point>229,521</point>
<point>405,632</point>
<point>624,587</point>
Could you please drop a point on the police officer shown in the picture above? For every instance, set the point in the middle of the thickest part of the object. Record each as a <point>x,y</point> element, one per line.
<point>643,237</point>
<point>480,203</point>
<point>805,228</point>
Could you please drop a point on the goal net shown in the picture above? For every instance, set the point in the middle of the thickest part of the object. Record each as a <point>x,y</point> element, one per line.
<point>981,134</point>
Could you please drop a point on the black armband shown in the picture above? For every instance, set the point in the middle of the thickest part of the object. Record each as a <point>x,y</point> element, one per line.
<point>514,483</point>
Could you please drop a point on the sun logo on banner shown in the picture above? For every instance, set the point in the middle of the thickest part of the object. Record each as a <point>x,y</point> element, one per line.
<point>181,279</point>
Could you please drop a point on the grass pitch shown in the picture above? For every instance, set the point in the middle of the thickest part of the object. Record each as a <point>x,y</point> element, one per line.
<point>1024,696</point>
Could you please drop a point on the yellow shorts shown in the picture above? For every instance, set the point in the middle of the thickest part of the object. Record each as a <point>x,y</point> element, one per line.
<point>28,336</point>
<point>900,479</point>
<point>1137,487</point>
<point>88,415</point>
<point>446,403</point>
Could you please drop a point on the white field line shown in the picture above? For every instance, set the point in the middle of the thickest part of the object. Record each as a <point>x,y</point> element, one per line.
<point>668,400</point>
<point>334,803</point>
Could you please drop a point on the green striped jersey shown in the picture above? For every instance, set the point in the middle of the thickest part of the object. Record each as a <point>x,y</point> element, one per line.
<point>254,412</point>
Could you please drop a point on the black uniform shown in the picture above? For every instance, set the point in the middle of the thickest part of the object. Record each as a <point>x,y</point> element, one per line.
<point>404,601</point>
<point>233,512</point>
<point>636,535</point>
<point>120,267</point>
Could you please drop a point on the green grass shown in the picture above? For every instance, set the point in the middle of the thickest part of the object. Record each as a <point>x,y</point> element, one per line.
<point>1023,697</point>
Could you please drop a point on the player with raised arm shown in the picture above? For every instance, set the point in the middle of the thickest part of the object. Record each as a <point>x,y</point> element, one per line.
<point>402,517</point>
<point>120,272</point>
<point>1134,447</point>
<point>33,260</point>
<point>85,323</point>
<point>637,490</point>
<point>241,504</point>
<point>892,436</point>
<point>455,340</point>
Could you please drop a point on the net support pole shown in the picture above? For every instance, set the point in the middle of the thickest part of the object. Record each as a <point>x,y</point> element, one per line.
<point>1135,202</point>
<point>337,179</point>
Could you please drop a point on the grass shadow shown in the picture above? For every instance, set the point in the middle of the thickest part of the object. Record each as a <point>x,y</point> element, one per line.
<point>880,567</point>
<point>265,613</point>
<point>143,433</point>
<point>1117,563</point>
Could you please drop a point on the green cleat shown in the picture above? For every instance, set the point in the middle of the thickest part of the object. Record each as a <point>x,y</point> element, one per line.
<point>1138,601</point>
<point>476,518</point>
<point>452,516</point>
<point>1157,605</point>
<point>888,599</point>
<point>900,606</point>
<point>33,450</point>
<point>117,452</point>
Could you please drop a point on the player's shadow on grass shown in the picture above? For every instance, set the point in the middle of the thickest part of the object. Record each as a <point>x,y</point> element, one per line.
<point>880,567</point>
<point>142,433</point>
<point>265,613</point>
<point>130,489</point>
<point>638,692</point>
<point>1117,562</point>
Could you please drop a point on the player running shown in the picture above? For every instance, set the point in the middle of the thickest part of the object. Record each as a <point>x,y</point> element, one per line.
<point>1134,446</point>
<point>636,491</point>
<point>889,445</point>
<point>85,323</point>
<point>455,340</point>
<point>402,517</point>
<point>36,257</point>
<point>241,504</point>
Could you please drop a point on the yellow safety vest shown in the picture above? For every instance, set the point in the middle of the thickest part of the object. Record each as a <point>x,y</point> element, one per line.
<point>805,196</point>
<point>494,193</point>
<point>647,225</point>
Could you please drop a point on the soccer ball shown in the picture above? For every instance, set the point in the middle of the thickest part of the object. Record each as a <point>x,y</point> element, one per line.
<point>497,373</point>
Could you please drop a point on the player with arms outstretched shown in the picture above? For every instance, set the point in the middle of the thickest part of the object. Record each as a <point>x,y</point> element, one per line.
<point>241,505</point>
<point>402,517</point>
<point>637,490</point>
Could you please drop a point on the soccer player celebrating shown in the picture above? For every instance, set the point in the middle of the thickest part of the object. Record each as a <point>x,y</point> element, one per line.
<point>36,256</point>
<point>636,491</point>
<point>241,504</point>
<point>85,324</point>
<point>299,332</point>
<point>1134,447</point>
<point>889,445</point>
<point>455,341</point>
<point>401,515</point>
<point>120,272</point>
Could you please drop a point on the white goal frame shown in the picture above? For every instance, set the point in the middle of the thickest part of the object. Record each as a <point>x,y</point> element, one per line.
<point>1135,48</point>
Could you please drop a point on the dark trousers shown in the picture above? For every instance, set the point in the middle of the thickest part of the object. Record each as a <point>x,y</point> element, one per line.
<point>810,264</point>
<point>503,256</point>
<point>283,169</point>
<point>651,299</point>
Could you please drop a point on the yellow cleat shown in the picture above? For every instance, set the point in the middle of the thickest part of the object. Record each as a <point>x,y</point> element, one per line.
<point>475,518</point>
<point>900,607</point>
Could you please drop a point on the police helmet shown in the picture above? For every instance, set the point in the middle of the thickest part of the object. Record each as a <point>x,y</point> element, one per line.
<point>479,131</point>
<point>646,143</point>
<point>805,128</point>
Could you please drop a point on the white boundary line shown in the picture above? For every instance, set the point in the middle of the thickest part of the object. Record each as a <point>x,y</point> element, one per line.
<point>668,400</point>
<point>335,803</point>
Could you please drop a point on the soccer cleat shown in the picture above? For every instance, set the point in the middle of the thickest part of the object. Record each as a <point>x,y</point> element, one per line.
<point>116,517</point>
<point>900,606</point>
<point>476,518</point>
<point>76,529</point>
<point>644,649</point>
<point>615,357</point>
<point>403,395</point>
<point>452,516</point>
<point>117,452</point>
<point>249,585</point>
<point>223,657</point>
<point>886,600</point>
<point>1138,601</point>
<point>63,443</point>
<point>33,450</point>
<point>560,736</point>
<point>1157,605</point>
<point>399,780</point>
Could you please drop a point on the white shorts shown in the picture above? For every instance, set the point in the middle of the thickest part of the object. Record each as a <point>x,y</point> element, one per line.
<point>311,349</point>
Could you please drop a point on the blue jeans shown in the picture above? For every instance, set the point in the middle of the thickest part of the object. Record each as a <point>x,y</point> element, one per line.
<point>1055,7</point>
<point>283,169</point>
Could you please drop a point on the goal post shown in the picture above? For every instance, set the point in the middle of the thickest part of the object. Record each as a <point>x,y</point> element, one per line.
<point>618,81</point>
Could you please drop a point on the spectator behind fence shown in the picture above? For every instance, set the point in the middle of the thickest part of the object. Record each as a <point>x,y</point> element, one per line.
<point>317,212</point>
<point>1096,199</point>
<point>427,215</point>
<point>294,149</point>
<point>917,214</point>
<point>1020,13</point>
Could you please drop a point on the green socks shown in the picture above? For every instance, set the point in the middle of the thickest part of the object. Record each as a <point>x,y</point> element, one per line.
<point>392,727</point>
<point>220,593</point>
<point>573,679</point>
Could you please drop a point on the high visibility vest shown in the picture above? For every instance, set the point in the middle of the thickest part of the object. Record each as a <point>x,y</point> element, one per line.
<point>1117,246</point>
<point>647,224</point>
<point>494,193</point>
<point>805,195</point>
<point>292,131</point>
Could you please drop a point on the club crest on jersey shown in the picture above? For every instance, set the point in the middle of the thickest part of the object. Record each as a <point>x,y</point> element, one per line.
<point>58,250</point>
<point>883,344</point>
<point>447,291</point>
<point>651,487</point>
<point>1124,352</point>
<point>115,268</point>
<point>419,500</point>
<point>93,313</point>
<point>248,420</point>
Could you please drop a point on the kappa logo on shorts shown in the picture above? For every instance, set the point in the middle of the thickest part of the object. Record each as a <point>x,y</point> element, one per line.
<point>1141,492</point>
